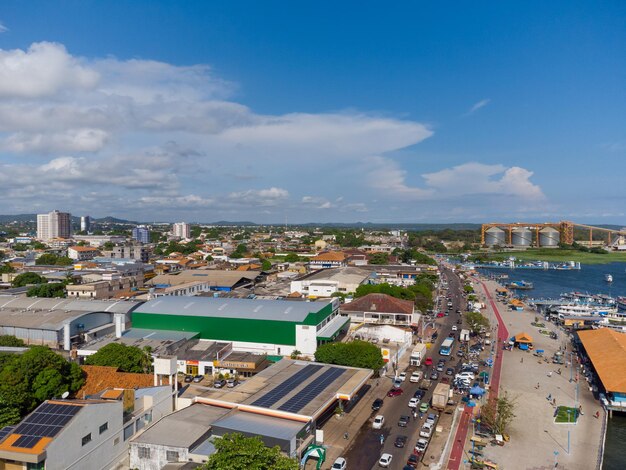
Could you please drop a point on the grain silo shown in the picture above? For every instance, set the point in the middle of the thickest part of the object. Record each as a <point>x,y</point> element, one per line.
<point>522,236</point>
<point>549,236</point>
<point>495,236</point>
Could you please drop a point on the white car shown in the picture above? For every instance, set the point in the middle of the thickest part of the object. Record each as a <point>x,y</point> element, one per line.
<point>415,377</point>
<point>465,376</point>
<point>421,445</point>
<point>454,328</point>
<point>402,376</point>
<point>426,430</point>
<point>379,421</point>
<point>385,460</point>
<point>340,464</point>
<point>413,402</point>
<point>431,418</point>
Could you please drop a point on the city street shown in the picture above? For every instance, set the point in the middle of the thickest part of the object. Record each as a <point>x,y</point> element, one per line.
<point>366,449</point>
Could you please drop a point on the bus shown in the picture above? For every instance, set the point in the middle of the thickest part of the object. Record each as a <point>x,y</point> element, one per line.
<point>446,346</point>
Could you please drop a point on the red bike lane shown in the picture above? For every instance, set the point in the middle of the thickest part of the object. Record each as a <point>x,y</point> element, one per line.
<point>456,455</point>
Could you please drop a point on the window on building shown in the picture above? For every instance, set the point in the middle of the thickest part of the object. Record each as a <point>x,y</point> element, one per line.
<point>171,455</point>
<point>128,432</point>
<point>86,439</point>
<point>143,452</point>
<point>103,427</point>
<point>116,441</point>
<point>36,466</point>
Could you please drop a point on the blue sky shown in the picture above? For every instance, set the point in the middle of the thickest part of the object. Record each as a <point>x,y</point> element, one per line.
<point>324,111</point>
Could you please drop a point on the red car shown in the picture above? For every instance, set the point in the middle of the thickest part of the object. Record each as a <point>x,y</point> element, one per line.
<point>394,392</point>
<point>441,315</point>
<point>428,361</point>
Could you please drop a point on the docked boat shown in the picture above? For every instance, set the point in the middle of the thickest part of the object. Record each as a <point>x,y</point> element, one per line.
<point>566,310</point>
<point>522,285</point>
<point>621,303</point>
<point>608,278</point>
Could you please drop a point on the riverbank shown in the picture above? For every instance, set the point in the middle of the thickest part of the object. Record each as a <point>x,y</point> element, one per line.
<point>559,255</point>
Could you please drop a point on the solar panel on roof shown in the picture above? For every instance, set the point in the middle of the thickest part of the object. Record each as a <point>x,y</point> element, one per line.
<point>5,431</point>
<point>317,386</point>
<point>288,385</point>
<point>46,421</point>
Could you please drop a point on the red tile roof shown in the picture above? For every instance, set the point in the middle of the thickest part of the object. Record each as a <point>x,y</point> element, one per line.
<point>379,303</point>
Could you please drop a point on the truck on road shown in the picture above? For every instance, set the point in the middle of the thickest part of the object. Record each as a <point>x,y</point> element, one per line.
<point>425,384</point>
<point>440,397</point>
<point>464,335</point>
<point>418,354</point>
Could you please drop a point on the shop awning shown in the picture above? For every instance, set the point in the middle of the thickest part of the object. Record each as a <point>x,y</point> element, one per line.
<point>523,338</point>
<point>330,331</point>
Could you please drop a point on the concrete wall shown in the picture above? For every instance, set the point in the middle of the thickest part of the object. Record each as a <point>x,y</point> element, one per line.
<point>158,456</point>
<point>66,451</point>
<point>306,339</point>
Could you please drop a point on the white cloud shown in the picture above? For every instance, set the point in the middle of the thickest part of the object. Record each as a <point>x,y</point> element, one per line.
<point>3,28</point>
<point>386,176</point>
<point>73,140</point>
<point>476,106</point>
<point>43,70</point>
<point>260,197</point>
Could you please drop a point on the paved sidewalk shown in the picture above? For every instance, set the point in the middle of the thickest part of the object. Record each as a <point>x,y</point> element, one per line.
<point>537,442</point>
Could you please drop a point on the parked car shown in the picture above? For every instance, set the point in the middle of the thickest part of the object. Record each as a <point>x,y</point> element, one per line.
<point>419,394</point>
<point>428,361</point>
<point>189,378</point>
<point>198,378</point>
<point>449,371</point>
<point>385,460</point>
<point>454,328</point>
<point>404,421</point>
<point>424,407</point>
<point>400,441</point>
<point>394,392</point>
<point>379,421</point>
<point>441,315</point>
<point>340,464</point>
<point>431,418</point>
<point>426,431</point>
<point>230,383</point>
<point>413,402</point>
<point>415,376</point>
<point>413,461</point>
<point>421,445</point>
<point>440,367</point>
<point>378,404</point>
<point>397,383</point>
<point>219,383</point>
<point>402,376</point>
<point>465,375</point>
<point>434,375</point>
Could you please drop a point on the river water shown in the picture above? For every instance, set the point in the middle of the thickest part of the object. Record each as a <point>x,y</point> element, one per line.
<point>590,279</point>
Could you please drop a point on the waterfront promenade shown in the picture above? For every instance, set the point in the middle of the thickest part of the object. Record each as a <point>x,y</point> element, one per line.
<point>537,442</point>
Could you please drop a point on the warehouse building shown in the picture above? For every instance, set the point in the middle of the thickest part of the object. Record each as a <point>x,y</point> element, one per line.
<point>273,327</point>
<point>58,323</point>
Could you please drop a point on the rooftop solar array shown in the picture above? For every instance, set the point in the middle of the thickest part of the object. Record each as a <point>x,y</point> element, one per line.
<point>274,395</point>
<point>45,421</point>
<point>317,386</point>
<point>5,431</point>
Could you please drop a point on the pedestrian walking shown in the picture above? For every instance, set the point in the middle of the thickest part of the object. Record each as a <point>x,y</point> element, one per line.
<point>550,397</point>
<point>554,402</point>
<point>521,359</point>
<point>550,374</point>
<point>597,414</point>
<point>580,410</point>
<point>345,436</point>
<point>537,387</point>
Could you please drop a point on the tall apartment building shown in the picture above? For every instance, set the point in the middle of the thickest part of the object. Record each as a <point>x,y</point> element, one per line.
<point>141,233</point>
<point>85,224</point>
<point>54,225</point>
<point>181,230</point>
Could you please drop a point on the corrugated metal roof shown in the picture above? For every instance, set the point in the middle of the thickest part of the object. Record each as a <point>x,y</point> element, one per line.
<point>607,350</point>
<point>253,309</point>
<point>260,425</point>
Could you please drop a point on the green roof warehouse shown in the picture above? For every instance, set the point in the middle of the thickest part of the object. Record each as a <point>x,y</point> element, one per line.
<point>273,327</point>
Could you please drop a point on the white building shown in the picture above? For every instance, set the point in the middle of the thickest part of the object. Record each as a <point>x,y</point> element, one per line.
<point>85,224</point>
<point>325,282</point>
<point>54,225</point>
<point>181,230</point>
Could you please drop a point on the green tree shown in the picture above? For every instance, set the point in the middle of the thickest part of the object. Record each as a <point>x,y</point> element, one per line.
<point>108,246</point>
<point>28,278</point>
<point>236,452</point>
<point>379,258</point>
<point>6,268</point>
<point>266,265</point>
<point>292,258</point>
<point>50,259</point>
<point>126,358</point>
<point>20,247</point>
<point>499,412</point>
<point>11,341</point>
<point>52,290</point>
<point>476,321</point>
<point>354,354</point>
<point>208,258</point>
<point>28,379</point>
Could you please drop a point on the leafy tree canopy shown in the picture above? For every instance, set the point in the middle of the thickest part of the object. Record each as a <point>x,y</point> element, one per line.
<point>25,279</point>
<point>6,268</point>
<point>50,259</point>
<point>52,290</point>
<point>379,258</point>
<point>355,354</point>
<point>11,341</point>
<point>476,321</point>
<point>126,358</point>
<point>30,378</point>
<point>235,452</point>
